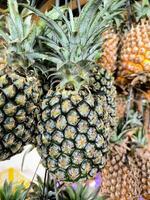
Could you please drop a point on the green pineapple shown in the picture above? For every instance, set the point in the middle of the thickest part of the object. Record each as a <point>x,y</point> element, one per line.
<point>78,113</point>
<point>20,90</point>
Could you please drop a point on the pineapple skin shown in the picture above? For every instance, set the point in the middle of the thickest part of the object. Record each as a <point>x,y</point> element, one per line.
<point>74,129</point>
<point>120,176</point>
<point>110,48</point>
<point>19,97</point>
<point>142,159</point>
<point>135,51</point>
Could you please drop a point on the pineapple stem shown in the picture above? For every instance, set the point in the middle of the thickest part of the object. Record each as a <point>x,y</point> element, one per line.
<point>79,6</point>
<point>57,2</point>
<point>129,10</point>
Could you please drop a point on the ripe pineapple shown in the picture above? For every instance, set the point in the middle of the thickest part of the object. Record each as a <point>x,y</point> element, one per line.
<point>110,48</point>
<point>111,36</point>
<point>141,155</point>
<point>135,50</point>
<point>20,90</point>
<point>121,175</point>
<point>78,113</point>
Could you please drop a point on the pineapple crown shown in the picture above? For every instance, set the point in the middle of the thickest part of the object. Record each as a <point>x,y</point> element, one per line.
<point>127,128</point>
<point>141,9</point>
<point>73,45</point>
<point>116,9</point>
<point>138,139</point>
<point>81,191</point>
<point>20,37</point>
<point>10,191</point>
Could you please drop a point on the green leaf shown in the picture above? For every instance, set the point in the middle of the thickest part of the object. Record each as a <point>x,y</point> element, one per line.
<point>14,14</point>
<point>4,35</point>
<point>53,26</point>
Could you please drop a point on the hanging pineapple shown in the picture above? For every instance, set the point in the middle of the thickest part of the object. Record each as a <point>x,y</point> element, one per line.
<point>121,175</point>
<point>20,90</point>
<point>78,113</point>
<point>111,36</point>
<point>135,50</point>
<point>141,155</point>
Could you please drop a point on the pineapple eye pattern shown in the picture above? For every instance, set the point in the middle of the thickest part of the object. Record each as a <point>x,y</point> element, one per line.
<point>77,142</point>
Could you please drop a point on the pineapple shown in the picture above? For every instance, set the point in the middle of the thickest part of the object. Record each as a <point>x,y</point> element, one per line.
<point>141,155</point>
<point>20,90</point>
<point>135,50</point>
<point>121,175</point>
<point>111,36</point>
<point>110,49</point>
<point>78,113</point>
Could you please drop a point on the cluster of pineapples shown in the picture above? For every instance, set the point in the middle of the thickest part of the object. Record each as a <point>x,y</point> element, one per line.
<point>56,94</point>
<point>73,122</point>
<point>126,173</point>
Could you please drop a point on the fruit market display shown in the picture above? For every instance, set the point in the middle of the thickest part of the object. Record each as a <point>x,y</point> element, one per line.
<point>76,86</point>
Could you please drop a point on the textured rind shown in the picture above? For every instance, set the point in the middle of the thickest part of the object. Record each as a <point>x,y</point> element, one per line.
<point>142,159</point>
<point>74,130</point>
<point>135,51</point>
<point>110,47</point>
<point>18,103</point>
<point>120,177</point>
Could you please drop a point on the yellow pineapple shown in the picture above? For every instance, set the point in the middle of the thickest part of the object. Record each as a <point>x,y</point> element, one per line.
<point>135,49</point>
<point>121,175</point>
<point>141,155</point>
<point>110,48</point>
<point>111,36</point>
